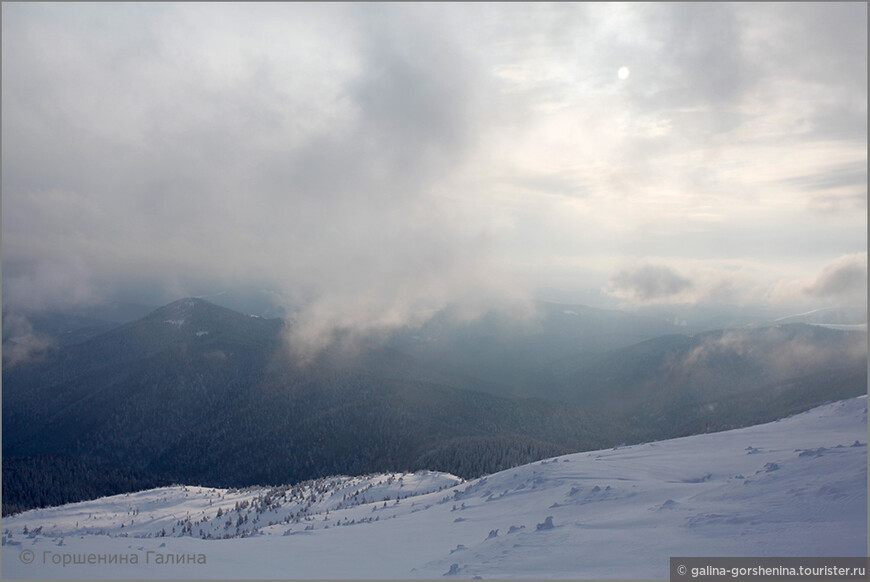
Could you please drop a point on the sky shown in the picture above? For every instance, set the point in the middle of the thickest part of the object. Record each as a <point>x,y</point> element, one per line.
<point>372,163</point>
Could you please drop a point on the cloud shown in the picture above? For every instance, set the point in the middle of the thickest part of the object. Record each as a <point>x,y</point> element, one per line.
<point>650,282</point>
<point>310,157</point>
<point>51,284</point>
<point>701,61</point>
<point>20,342</point>
<point>379,248</point>
<point>851,176</point>
<point>56,284</point>
<point>375,162</point>
<point>844,277</point>
<point>780,351</point>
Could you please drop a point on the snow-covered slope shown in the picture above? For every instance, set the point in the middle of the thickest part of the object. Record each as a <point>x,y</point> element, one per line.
<point>795,487</point>
<point>210,513</point>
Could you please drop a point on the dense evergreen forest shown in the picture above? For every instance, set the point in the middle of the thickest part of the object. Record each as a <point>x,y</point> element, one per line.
<point>198,394</point>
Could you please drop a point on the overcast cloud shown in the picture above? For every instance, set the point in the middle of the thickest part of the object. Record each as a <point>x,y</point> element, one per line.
<point>373,162</point>
<point>847,276</point>
<point>650,282</point>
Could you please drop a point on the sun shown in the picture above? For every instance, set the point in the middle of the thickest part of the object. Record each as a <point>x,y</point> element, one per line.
<point>623,73</point>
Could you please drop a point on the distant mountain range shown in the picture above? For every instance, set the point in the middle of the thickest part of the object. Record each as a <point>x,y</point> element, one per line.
<point>69,327</point>
<point>679,384</point>
<point>502,350</point>
<point>831,316</point>
<point>201,394</point>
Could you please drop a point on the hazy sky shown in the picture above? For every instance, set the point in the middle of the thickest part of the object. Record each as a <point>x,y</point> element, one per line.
<point>373,162</point>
